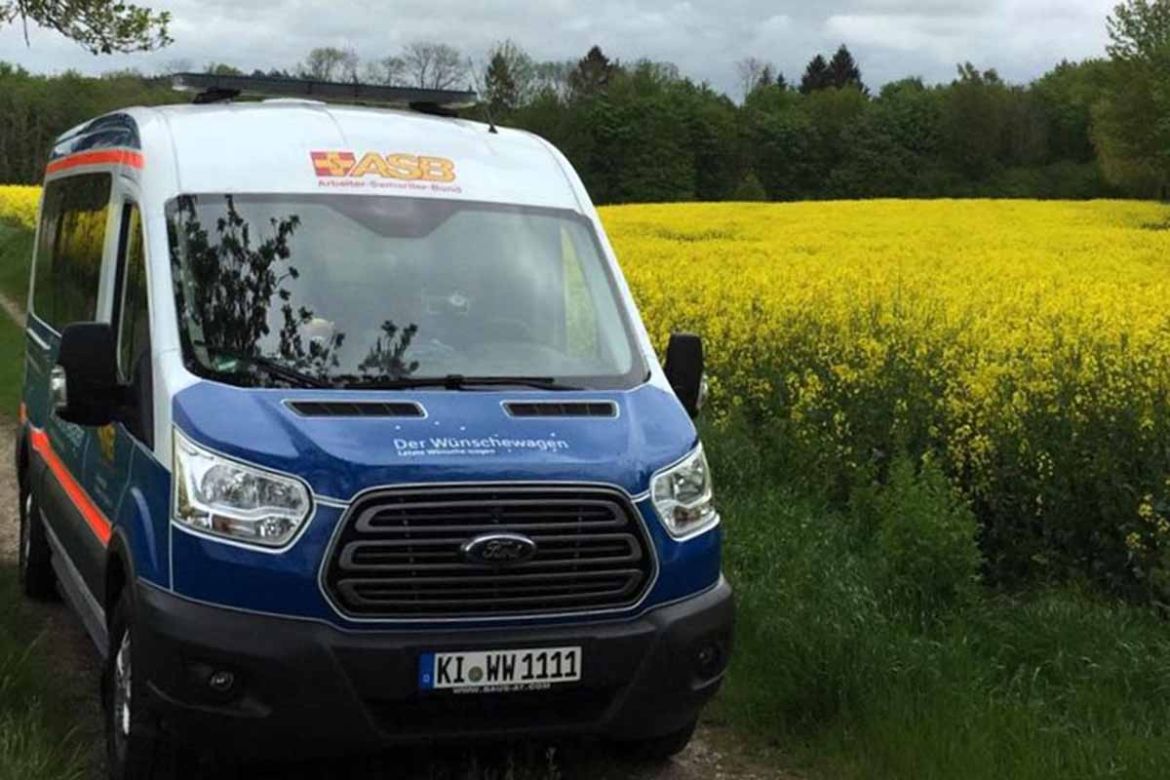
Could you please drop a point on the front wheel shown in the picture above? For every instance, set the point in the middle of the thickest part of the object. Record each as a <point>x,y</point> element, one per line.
<point>135,750</point>
<point>37,580</point>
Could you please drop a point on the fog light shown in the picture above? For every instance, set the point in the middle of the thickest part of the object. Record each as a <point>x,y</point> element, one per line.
<point>709,659</point>
<point>221,681</point>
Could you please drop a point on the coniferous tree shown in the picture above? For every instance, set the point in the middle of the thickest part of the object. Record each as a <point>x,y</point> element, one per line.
<point>592,74</point>
<point>499,86</point>
<point>816,76</point>
<point>843,71</point>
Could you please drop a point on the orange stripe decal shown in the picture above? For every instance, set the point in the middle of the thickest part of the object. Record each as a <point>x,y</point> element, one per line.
<point>102,157</point>
<point>97,521</point>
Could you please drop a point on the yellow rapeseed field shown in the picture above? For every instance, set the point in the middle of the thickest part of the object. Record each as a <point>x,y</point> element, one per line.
<point>19,202</point>
<point>1025,344</point>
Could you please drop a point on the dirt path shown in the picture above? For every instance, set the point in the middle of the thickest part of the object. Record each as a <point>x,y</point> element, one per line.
<point>714,753</point>
<point>12,309</point>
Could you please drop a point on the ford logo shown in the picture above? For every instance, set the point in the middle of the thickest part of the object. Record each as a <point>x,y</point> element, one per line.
<point>500,549</point>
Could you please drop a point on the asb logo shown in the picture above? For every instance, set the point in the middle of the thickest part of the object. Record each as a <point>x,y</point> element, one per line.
<point>404,167</point>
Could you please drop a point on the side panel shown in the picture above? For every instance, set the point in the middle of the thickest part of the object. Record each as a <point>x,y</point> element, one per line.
<point>72,282</point>
<point>58,451</point>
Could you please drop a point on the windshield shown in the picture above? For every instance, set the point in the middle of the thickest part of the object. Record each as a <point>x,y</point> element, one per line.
<point>361,291</point>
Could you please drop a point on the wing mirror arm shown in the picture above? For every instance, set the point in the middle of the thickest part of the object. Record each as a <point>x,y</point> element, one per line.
<point>685,371</point>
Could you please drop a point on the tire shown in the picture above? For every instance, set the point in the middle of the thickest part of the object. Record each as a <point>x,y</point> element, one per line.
<point>134,748</point>
<point>659,749</point>
<point>37,580</point>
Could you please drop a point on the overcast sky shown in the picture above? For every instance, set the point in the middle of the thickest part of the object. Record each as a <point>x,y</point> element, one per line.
<point>705,38</point>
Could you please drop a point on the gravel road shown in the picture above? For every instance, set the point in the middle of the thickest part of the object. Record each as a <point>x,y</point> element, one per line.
<point>714,753</point>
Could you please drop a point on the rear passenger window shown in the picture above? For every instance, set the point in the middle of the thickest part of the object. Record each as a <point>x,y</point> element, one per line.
<point>69,251</point>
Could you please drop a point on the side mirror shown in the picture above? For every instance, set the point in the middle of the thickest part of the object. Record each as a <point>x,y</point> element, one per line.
<point>684,370</point>
<point>84,383</point>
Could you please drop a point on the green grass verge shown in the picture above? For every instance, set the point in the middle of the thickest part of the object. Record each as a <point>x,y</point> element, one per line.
<point>15,253</point>
<point>848,677</point>
<point>16,245</point>
<point>12,355</point>
<point>36,739</point>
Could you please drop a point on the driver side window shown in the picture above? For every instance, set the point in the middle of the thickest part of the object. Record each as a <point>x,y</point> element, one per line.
<point>133,324</point>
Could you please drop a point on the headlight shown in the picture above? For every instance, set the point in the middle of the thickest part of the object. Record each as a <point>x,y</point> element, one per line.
<point>220,497</point>
<point>684,498</point>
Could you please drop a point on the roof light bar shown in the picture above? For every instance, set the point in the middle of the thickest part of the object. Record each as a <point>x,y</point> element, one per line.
<point>212,87</point>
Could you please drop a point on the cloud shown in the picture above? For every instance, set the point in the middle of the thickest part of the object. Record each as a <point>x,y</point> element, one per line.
<point>705,38</point>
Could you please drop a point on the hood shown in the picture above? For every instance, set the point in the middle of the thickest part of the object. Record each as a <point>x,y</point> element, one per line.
<point>467,436</point>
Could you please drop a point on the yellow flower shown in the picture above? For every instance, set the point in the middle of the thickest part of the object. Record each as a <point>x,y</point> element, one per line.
<point>18,203</point>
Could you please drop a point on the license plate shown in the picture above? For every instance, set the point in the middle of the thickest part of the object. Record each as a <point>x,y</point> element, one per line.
<point>496,671</point>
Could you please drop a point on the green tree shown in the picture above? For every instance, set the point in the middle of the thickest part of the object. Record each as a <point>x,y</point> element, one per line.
<point>102,26</point>
<point>499,86</point>
<point>593,74</point>
<point>754,74</point>
<point>1067,94</point>
<point>508,80</point>
<point>843,71</point>
<point>974,123</point>
<point>834,116</point>
<point>638,147</point>
<point>35,109</point>
<point>892,151</point>
<point>1132,127</point>
<point>816,76</point>
<point>780,140</point>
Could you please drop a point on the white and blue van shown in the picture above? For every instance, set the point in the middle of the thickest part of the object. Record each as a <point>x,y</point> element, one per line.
<point>340,430</point>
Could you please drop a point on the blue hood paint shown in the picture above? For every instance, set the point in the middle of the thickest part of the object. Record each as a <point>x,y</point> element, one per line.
<point>341,456</point>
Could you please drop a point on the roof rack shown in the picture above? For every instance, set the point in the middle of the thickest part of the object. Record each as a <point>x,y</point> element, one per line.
<point>214,88</point>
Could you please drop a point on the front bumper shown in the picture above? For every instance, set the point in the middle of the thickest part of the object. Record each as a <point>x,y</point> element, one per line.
<point>309,688</point>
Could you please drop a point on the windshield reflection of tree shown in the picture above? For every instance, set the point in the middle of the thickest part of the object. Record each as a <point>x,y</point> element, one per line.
<point>235,281</point>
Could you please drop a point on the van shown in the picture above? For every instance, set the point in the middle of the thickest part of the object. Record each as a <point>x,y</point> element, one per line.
<point>340,430</point>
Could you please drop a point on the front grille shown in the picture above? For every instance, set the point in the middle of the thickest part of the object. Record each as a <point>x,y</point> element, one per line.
<point>399,553</point>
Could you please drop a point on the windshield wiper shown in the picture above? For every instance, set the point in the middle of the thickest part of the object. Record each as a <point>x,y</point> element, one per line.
<point>274,368</point>
<point>460,382</point>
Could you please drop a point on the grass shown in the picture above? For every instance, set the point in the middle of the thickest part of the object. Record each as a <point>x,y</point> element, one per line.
<point>16,245</point>
<point>15,253</point>
<point>850,678</point>
<point>12,350</point>
<point>36,740</point>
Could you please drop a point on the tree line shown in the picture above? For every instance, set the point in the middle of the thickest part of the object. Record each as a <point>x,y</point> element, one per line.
<point>641,131</point>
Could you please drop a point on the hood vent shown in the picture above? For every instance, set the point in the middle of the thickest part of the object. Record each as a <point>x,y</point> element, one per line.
<point>357,408</point>
<point>561,409</point>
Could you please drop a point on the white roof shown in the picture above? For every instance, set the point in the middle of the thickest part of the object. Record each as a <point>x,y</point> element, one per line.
<point>306,146</point>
